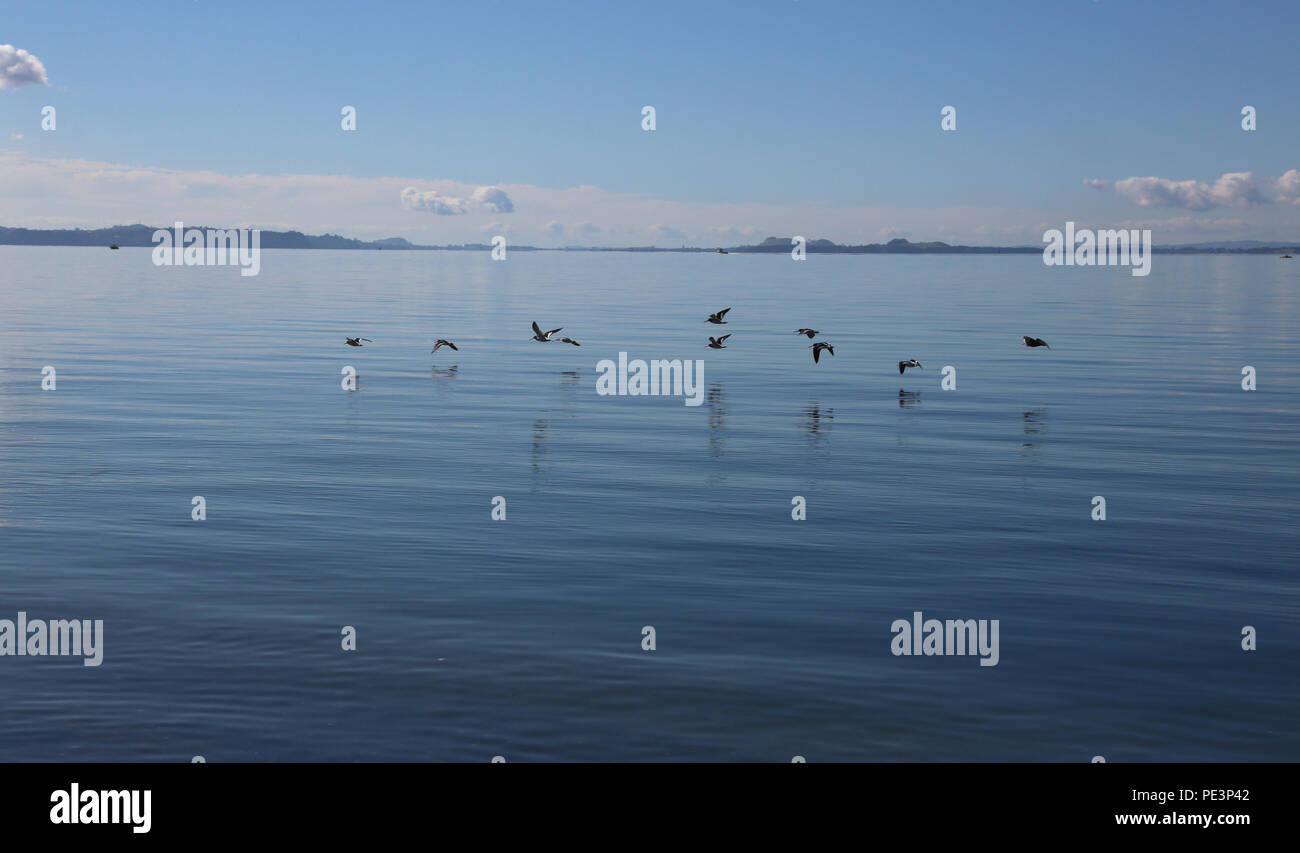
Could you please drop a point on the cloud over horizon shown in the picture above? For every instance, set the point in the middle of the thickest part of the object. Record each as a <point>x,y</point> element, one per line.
<point>1232,189</point>
<point>46,192</point>
<point>667,232</point>
<point>431,201</point>
<point>493,199</point>
<point>490,199</point>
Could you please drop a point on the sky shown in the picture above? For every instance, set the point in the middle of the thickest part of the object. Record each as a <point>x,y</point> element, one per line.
<point>807,117</point>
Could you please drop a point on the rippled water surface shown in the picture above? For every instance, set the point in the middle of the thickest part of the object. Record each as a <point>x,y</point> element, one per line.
<point>522,637</point>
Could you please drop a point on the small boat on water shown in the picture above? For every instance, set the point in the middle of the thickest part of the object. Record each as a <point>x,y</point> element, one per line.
<point>1286,256</point>
<point>114,246</point>
<point>723,252</point>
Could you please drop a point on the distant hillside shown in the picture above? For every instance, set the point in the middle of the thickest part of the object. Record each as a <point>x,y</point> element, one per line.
<point>901,246</point>
<point>893,247</point>
<point>142,235</point>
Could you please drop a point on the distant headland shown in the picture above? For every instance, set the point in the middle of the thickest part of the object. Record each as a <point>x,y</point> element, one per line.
<point>142,236</point>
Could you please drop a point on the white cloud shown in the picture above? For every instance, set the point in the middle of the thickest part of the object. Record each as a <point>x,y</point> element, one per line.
<point>494,199</point>
<point>554,229</point>
<point>732,234</point>
<point>1287,187</point>
<point>41,191</point>
<point>1188,225</point>
<point>1202,224</point>
<point>431,201</point>
<point>1095,183</point>
<point>20,68</point>
<point>1232,189</point>
<point>489,199</point>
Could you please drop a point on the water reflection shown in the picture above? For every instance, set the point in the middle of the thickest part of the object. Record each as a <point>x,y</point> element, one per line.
<point>818,421</point>
<point>715,401</point>
<point>908,399</point>
<point>445,373</point>
<point>568,380</point>
<point>1031,424</point>
<point>540,426</point>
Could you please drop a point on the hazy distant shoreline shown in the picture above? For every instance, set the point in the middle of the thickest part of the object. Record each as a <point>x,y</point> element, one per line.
<point>142,236</point>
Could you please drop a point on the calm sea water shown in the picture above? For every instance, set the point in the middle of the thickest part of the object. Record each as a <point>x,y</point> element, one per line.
<point>522,638</point>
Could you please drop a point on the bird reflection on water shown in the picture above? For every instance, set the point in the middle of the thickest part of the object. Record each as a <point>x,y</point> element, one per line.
<point>818,420</point>
<point>715,401</point>
<point>1032,423</point>
<point>568,380</point>
<point>540,426</point>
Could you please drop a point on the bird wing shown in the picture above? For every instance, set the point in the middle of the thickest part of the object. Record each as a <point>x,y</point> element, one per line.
<point>553,331</point>
<point>831,348</point>
<point>817,354</point>
<point>723,313</point>
<point>902,365</point>
<point>536,328</point>
<point>723,338</point>
<point>453,346</point>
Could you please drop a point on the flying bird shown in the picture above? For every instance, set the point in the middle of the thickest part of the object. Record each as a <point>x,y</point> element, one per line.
<point>1034,342</point>
<point>716,319</point>
<point>817,350</point>
<point>911,362</point>
<point>717,343</point>
<point>441,343</point>
<point>811,333</point>
<point>544,337</point>
<point>356,342</point>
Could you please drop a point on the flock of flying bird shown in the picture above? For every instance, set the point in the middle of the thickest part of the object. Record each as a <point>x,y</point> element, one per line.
<point>714,343</point>
<point>824,346</point>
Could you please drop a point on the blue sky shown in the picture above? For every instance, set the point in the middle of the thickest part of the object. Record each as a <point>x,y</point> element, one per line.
<point>801,116</point>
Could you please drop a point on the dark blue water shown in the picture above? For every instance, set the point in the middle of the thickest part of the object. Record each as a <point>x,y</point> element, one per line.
<point>522,637</point>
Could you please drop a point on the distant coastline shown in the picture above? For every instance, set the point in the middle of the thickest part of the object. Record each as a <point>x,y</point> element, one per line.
<point>142,236</point>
